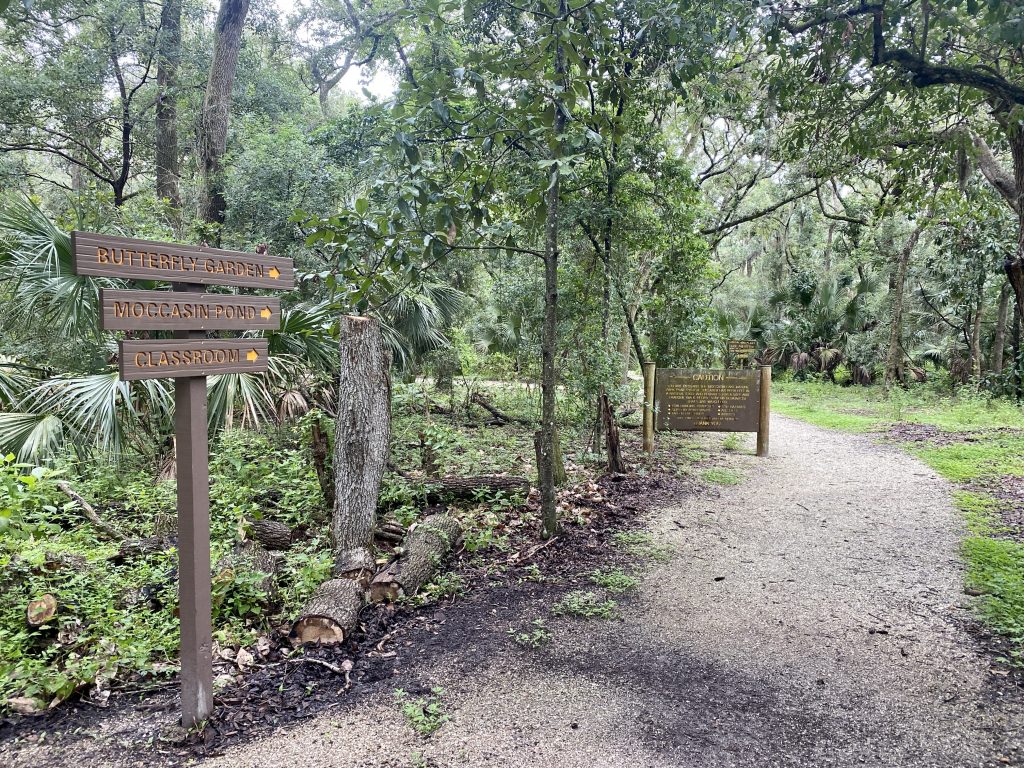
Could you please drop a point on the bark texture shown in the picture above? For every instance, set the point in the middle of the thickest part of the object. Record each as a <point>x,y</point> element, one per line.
<point>427,546</point>
<point>168,58</point>
<point>272,535</point>
<point>611,431</point>
<point>468,487</point>
<point>894,371</point>
<point>361,437</point>
<point>213,135</point>
<point>999,341</point>
<point>546,446</point>
<point>330,614</point>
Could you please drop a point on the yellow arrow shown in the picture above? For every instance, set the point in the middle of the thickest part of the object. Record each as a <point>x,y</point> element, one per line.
<point>252,355</point>
<point>275,272</point>
<point>265,313</point>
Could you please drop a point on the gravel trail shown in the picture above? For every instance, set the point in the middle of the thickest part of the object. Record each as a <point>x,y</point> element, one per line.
<point>812,615</point>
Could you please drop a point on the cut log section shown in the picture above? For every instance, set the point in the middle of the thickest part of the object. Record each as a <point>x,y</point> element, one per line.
<point>330,614</point>
<point>272,535</point>
<point>41,611</point>
<point>426,547</point>
<point>468,487</point>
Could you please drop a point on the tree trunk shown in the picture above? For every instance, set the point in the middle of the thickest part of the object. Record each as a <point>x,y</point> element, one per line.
<point>549,336</point>
<point>999,343</point>
<point>615,463</point>
<point>361,436</point>
<point>168,57</point>
<point>321,450</point>
<point>1015,266</point>
<point>979,307</point>
<point>894,372</point>
<point>427,546</point>
<point>213,134</point>
<point>330,614</point>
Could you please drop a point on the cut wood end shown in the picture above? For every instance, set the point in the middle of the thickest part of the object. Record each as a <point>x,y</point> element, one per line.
<point>317,629</point>
<point>41,611</point>
<point>385,592</point>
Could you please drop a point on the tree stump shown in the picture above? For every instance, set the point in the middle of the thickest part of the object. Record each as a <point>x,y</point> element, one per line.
<point>330,614</point>
<point>427,546</point>
<point>361,440</point>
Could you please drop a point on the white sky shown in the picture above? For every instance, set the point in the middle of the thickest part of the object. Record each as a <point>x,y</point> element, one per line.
<point>380,84</point>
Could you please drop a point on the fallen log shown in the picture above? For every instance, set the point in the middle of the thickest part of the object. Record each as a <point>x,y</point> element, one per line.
<point>330,614</point>
<point>40,611</point>
<point>90,513</point>
<point>133,548</point>
<point>468,487</point>
<point>272,535</point>
<point>482,401</point>
<point>426,547</point>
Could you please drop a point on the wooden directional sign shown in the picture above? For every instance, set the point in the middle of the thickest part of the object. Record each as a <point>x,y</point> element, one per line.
<point>128,259</point>
<point>174,358</point>
<point>187,358</point>
<point>742,349</point>
<point>180,311</point>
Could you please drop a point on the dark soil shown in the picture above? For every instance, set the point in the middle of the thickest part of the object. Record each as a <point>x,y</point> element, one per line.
<point>1009,491</point>
<point>283,688</point>
<point>909,432</point>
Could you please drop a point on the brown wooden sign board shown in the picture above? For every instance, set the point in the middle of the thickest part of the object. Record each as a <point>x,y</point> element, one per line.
<point>177,358</point>
<point>186,311</point>
<point>187,358</point>
<point>742,349</point>
<point>125,258</point>
<point>696,400</point>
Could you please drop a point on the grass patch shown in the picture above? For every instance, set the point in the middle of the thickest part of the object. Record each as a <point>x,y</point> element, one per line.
<point>426,714</point>
<point>989,457</point>
<point>819,414</point>
<point>615,580</point>
<point>642,544</point>
<point>720,476</point>
<point>585,605</point>
<point>995,568</point>
<point>980,512</point>
<point>535,635</point>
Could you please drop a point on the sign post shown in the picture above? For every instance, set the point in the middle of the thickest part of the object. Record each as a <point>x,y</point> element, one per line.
<point>650,370</point>
<point>189,357</point>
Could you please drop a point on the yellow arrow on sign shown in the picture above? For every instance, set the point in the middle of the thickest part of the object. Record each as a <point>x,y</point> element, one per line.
<point>275,272</point>
<point>252,355</point>
<point>265,313</point>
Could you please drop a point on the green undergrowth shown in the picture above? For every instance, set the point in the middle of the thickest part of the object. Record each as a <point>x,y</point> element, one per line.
<point>980,446</point>
<point>583,604</point>
<point>722,476</point>
<point>116,623</point>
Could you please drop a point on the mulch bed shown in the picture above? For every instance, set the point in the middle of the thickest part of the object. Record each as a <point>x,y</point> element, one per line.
<point>279,688</point>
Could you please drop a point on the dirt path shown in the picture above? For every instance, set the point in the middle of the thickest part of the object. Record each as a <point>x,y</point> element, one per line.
<point>811,616</point>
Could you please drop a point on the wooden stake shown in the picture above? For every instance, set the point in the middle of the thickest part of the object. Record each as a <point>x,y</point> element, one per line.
<point>764,416</point>
<point>192,460</point>
<point>649,373</point>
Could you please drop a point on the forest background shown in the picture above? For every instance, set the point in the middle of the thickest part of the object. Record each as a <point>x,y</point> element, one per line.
<point>547,194</point>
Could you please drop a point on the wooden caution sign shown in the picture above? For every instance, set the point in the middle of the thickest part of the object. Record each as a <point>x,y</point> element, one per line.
<point>703,400</point>
<point>127,259</point>
<point>188,358</point>
<point>171,358</point>
<point>178,311</point>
